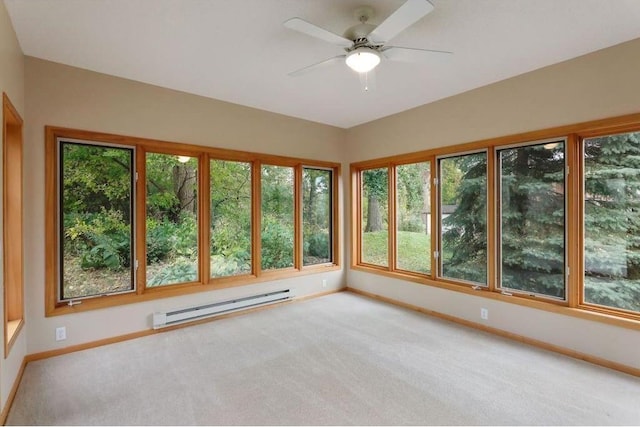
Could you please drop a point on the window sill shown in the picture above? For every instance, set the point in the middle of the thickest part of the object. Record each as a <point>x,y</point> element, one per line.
<point>559,307</point>
<point>97,303</point>
<point>13,328</point>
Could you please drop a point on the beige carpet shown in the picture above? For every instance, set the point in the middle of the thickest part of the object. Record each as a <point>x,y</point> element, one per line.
<point>340,359</point>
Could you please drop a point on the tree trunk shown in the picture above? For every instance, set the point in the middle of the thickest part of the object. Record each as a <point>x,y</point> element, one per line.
<point>374,219</point>
<point>184,186</point>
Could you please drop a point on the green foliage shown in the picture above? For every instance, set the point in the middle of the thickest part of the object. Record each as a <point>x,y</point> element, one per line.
<point>316,216</point>
<point>230,218</point>
<point>277,243</point>
<point>317,245</point>
<point>413,195</point>
<point>375,191</point>
<point>612,221</point>
<point>465,237</point>
<point>451,178</point>
<point>532,219</point>
<point>179,271</point>
<point>158,240</point>
<point>277,217</point>
<point>101,240</point>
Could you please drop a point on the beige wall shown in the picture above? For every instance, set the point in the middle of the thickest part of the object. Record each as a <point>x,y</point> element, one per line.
<point>12,83</point>
<point>65,96</point>
<point>595,86</point>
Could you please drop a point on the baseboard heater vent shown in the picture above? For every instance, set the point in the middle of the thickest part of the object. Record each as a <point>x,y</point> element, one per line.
<point>162,320</point>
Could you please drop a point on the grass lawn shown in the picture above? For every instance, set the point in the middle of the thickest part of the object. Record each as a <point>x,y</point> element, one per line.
<point>413,250</point>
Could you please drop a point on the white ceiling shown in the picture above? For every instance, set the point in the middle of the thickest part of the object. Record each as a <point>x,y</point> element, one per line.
<point>238,50</point>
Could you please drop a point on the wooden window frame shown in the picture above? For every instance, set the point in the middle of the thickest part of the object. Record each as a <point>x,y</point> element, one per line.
<point>498,212</point>
<point>54,307</point>
<point>573,134</point>
<point>489,193</point>
<point>433,194</point>
<point>333,217</point>
<point>12,223</point>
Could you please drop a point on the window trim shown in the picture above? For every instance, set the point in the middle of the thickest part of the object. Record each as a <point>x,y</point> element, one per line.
<point>573,305</point>
<point>498,219</point>
<point>12,139</point>
<point>59,230</point>
<point>54,307</point>
<point>433,238</point>
<point>332,212</point>
<point>439,266</point>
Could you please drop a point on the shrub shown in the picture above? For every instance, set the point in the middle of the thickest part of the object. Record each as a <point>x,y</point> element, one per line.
<point>182,270</point>
<point>101,240</point>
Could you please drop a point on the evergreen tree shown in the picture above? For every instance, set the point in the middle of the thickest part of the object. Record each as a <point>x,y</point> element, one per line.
<point>464,251</point>
<point>612,221</point>
<point>532,219</point>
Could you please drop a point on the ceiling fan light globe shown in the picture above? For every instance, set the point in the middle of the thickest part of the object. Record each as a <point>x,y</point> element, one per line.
<point>363,59</point>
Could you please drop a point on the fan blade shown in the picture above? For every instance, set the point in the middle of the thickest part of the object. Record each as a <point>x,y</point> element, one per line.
<point>410,54</point>
<point>314,31</point>
<point>405,16</point>
<point>330,61</point>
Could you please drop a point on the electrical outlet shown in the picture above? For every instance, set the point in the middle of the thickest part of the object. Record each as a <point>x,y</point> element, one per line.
<point>484,314</point>
<point>61,333</point>
<point>324,283</point>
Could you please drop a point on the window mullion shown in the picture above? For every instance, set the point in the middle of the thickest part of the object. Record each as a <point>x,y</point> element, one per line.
<point>204,235</point>
<point>140,223</point>
<point>492,220</point>
<point>575,226</point>
<point>256,210</point>
<point>391,218</point>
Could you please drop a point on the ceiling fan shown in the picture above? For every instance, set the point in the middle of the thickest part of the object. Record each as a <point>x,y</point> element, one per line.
<point>366,44</point>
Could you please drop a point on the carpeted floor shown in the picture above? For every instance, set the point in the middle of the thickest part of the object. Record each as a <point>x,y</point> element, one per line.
<point>339,359</point>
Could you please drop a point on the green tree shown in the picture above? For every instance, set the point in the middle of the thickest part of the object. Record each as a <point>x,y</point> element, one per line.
<point>612,221</point>
<point>464,252</point>
<point>532,219</point>
<point>316,215</point>
<point>375,185</point>
<point>277,217</point>
<point>230,220</point>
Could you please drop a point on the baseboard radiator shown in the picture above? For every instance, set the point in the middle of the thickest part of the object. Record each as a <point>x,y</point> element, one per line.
<point>162,320</point>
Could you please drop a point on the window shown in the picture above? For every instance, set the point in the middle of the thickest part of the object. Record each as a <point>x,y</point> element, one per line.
<point>198,212</point>
<point>532,218</point>
<point>413,217</point>
<point>96,219</point>
<point>612,221</point>
<point>549,219</point>
<point>375,217</point>
<point>13,262</point>
<point>463,217</point>
<point>230,187</point>
<point>277,217</point>
<point>317,208</point>
<point>172,219</point>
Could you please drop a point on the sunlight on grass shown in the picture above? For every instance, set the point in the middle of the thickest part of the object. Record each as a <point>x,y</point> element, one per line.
<point>413,250</point>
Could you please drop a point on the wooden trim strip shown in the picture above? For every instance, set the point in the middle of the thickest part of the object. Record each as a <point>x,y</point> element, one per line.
<point>510,335</point>
<point>544,304</point>
<point>12,394</point>
<point>126,337</point>
<point>13,222</point>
